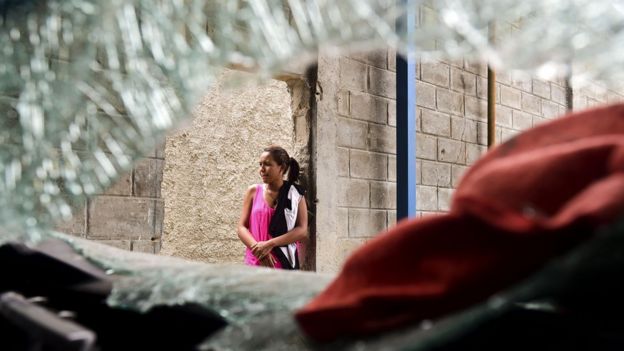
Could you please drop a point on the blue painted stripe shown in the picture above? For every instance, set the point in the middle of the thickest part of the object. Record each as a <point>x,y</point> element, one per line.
<point>406,121</point>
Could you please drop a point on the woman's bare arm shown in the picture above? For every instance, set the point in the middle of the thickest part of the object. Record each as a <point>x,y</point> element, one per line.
<point>243,233</point>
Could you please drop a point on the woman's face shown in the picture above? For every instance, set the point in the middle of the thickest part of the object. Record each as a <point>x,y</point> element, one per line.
<point>269,170</point>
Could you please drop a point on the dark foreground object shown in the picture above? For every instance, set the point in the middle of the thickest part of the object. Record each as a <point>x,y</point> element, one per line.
<point>51,298</point>
<point>537,197</point>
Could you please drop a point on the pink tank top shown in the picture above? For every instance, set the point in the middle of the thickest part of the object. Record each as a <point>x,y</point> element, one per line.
<point>259,220</point>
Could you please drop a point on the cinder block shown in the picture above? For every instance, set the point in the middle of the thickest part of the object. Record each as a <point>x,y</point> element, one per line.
<point>538,120</point>
<point>353,74</point>
<point>444,199</point>
<point>463,82</point>
<point>377,58</point>
<point>531,104</point>
<point>579,102</point>
<point>593,102</point>
<point>425,95</point>
<point>464,129</point>
<point>451,151</point>
<point>436,73</point>
<point>558,94</point>
<point>450,102</point>
<point>391,59</point>
<point>369,108</point>
<point>482,133</point>
<point>120,244</point>
<point>455,63</point>
<point>436,174</point>
<point>457,172</point>
<point>342,163</point>
<point>145,246</point>
<point>559,80</point>
<point>382,138</point>
<point>426,146</point>
<point>341,249</point>
<point>426,198</point>
<point>369,165</point>
<point>117,218</point>
<point>503,77</point>
<point>418,119</point>
<point>366,223</point>
<point>522,120</point>
<point>148,176</point>
<point>392,113</point>
<point>476,108</point>
<point>591,90</point>
<point>351,133</point>
<point>510,97</point>
<point>382,82</point>
<point>562,110</point>
<point>504,116</point>
<point>508,134</point>
<point>435,123</point>
<point>392,219</point>
<point>482,87</point>
<point>76,225</point>
<point>419,171</point>
<point>383,195</point>
<point>521,81</point>
<point>474,152</point>
<point>392,168</point>
<point>159,218</point>
<point>541,88</point>
<point>342,222</point>
<point>550,109</point>
<point>476,68</point>
<point>353,192</point>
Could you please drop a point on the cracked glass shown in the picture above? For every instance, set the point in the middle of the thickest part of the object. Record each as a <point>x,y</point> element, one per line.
<point>88,86</point>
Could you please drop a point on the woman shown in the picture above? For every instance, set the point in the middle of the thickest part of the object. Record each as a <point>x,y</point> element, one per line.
<point>274,215</point>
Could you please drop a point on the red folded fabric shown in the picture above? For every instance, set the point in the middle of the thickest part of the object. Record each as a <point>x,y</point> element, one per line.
<point>528,200</point>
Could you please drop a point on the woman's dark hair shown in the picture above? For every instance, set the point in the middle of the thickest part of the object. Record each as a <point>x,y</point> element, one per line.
<point>280,156</point>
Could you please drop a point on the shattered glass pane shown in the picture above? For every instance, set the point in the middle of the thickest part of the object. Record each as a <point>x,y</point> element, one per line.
<point>88,86</point>
<point>240,294</point>
<point>259,308</point>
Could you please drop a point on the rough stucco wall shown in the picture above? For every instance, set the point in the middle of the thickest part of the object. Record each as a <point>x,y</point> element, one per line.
<point>210,164</point>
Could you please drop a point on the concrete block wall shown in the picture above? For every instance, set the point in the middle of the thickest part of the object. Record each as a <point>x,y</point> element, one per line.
<point>452,121</point>
<point>365,147</point>
<point>357,109</point>
<point>127,215</point>
<point>451,130</point>
<point>594,94</point>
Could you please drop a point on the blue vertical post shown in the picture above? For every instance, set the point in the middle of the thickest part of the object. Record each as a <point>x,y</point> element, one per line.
<point>406,117</point>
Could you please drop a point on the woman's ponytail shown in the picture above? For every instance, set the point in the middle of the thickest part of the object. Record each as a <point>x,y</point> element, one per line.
<point>293,170</point>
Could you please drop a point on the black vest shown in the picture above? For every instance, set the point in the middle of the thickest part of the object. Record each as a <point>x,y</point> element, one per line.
<point>278,225</point>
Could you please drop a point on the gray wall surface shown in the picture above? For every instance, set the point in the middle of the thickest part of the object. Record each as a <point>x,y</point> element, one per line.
<point>210,164</point>
<point>356,144</point>
<point>129,214</point>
